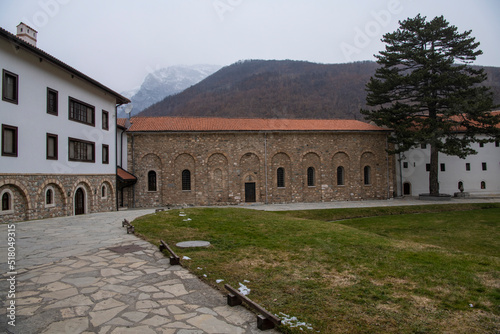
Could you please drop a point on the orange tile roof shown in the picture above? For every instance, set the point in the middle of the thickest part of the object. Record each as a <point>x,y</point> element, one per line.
<point>124,175</point>
<point>121,122</point>
<point>195,124</point>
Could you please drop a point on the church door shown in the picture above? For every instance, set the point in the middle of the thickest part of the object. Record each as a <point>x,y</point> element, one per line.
<point>250,192</point>
<point>79,202</point>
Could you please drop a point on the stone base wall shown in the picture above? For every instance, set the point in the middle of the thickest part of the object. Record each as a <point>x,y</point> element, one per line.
<point>37,196</point>
<point>234,168</point>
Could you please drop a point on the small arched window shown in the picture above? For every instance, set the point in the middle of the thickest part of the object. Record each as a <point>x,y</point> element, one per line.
<point>483,185</point>
<point>186,179</point>
<point>280,176</point>
<point>310,177</point>
<point>49,197</point>
<point>367,176</point>
<point>460,186</point>
<point>151,180</point>
<point>6,202</point>
<point>104,192</point>
<point>340,176</point>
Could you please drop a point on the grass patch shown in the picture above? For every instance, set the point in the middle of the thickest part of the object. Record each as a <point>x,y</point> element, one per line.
<point>411,273</point>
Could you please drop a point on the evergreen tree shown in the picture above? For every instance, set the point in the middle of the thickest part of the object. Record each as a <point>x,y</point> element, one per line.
<point>426,91</point>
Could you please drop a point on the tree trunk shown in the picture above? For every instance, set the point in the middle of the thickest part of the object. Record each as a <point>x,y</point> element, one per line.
<point>433,173</point>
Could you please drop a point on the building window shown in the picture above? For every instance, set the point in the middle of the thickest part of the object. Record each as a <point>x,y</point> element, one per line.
<point>9,140</point>
<point>280,175</point>
<point>427,167</point>
<point>367,176</point>
<point>151,180</point>
<point>52,102</point>
<point>81,150</point>
<point>105,154</point>
<point>483,185</point>
<point>443,168</point>
<point>310,177</point>
<point>405,164</point>
<point>484,166</point>
<point>186,179</point>
<point>340,176</point>
<point>52,150</point>
<point>497,143</point>
<point>7,198</point>
<point>105,120</point>
<point>10,84</point>
<point>81,112</point>
<point>49,197</point>
<point>467,166</point>
<point>481,144</point>
<point>460,186</point>
<point>423,146</point>
<point>104,192</point>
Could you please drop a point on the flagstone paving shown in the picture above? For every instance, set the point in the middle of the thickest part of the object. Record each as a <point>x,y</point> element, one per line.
<point>72,278</point>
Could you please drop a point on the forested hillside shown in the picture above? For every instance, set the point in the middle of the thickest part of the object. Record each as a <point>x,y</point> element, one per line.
<point>281,89</point>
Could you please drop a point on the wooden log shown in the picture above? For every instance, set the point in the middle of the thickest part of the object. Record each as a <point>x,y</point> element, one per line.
<point>265,321</point>
<point>174,259</point>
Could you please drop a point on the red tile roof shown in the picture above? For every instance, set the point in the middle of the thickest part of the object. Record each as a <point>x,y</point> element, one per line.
<point>195,124</point>
<point>124,175</point>
<point>121,122</point>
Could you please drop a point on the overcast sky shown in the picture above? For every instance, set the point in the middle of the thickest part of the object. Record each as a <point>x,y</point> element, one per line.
<point>118,42</point>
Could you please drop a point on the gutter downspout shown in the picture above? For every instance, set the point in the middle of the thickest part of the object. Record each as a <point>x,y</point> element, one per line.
<point>265,161</point>
<point>116,158</point>
<point>388,172</point>
<point>133,171</point>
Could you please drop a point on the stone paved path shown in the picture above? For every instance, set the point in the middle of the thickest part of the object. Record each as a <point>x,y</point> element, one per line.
<point>71,278</point>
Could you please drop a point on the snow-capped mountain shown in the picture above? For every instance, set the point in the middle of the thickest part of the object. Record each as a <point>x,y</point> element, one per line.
<point>164,82</point>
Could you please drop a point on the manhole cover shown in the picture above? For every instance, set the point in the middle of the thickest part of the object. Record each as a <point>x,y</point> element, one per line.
<point>126,249</point>
<point>189,244</point>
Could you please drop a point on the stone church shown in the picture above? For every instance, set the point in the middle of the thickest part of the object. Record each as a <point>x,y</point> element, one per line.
<point>218,161</point>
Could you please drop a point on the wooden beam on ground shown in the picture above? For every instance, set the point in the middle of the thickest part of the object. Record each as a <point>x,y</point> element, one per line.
<point>174,259</point>
<point>265,320</point>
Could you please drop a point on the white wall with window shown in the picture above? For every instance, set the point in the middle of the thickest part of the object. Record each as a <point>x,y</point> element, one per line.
<point>478,174</point>
<point>46,110</point>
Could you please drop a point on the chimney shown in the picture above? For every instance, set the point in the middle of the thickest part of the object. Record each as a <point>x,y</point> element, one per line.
<point>26,33</point>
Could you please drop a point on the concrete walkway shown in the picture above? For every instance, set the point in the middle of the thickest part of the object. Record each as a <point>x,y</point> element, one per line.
<point>85,274</point>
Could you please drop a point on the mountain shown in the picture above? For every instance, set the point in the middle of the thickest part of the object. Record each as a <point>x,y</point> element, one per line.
<point>281,89</point>
<point>164,82</point>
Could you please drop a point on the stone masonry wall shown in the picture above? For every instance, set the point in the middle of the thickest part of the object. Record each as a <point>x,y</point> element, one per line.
<point>223,166</point>
<point>29,198</point>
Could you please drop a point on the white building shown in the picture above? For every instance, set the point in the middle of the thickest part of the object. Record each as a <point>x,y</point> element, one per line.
<point>58,135</point>
<point>479,174</point>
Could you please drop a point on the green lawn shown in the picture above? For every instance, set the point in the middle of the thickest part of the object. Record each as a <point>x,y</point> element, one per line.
<point>387,273</point>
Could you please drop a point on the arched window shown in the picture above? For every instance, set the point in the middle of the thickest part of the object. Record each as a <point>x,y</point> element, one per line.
<point>280,176</point>
<point>483,185</point>
<point>186,179</point>
<point>406,188</point>
<point>460,186</point>
<point>151,180</point>
<point>367,176</point>
<point>310,177</point>
<point>49,197</point>
<point>340,176</point>
<point>104,191</point>
<point>6,202</point>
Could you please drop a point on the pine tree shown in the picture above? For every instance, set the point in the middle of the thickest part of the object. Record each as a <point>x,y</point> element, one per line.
<point>427,92</point>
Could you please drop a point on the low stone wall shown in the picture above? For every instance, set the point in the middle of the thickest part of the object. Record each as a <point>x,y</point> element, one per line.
<point>38,196</point>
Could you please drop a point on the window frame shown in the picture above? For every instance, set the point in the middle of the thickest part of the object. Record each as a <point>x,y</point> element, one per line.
<point>56,148</point>
<point>280,177</point>
<point>442,167</point>
<point>311,177</point>
<point>367,179</point>
<point>467,166</point>
<point>76,140</point>
<point>15,141</point>
<point>72,115</point>
<point>51,91</point>
<point>484,166</point>
<point>105,124</point>
<point>186,180</point>
<point>105,158</point>
<point>10,202</point>
<point>104,191</point>
<point>152,188</point>
<point>5,98</point>
<point>340,176</point>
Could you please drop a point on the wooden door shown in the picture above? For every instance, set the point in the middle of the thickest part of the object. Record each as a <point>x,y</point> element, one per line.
<point>250,192</point>
<point>79,202</point>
